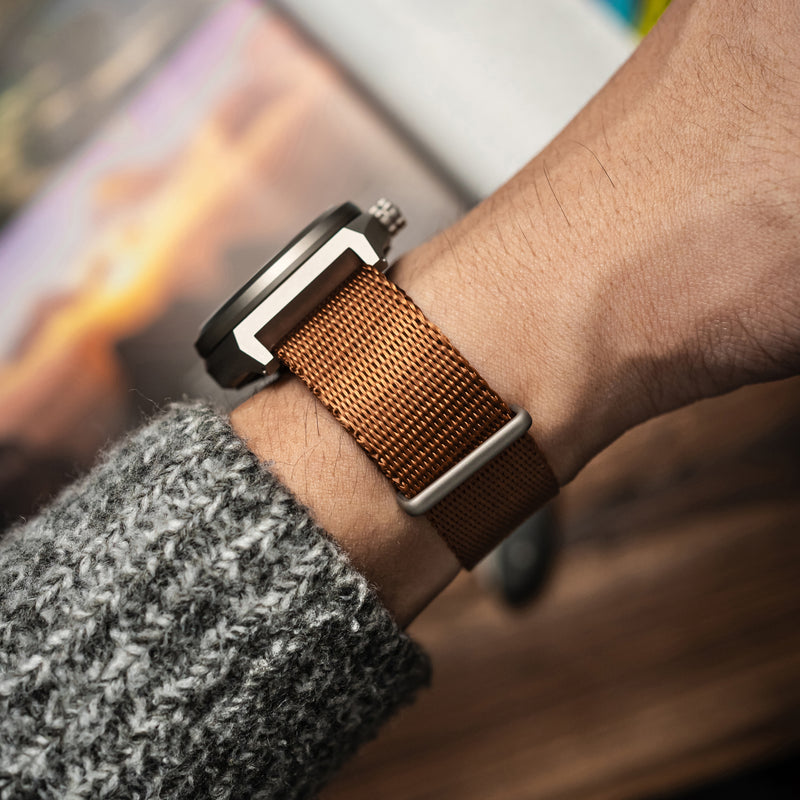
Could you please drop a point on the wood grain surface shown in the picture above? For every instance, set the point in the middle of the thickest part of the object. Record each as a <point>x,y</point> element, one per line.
<point>666,650</point>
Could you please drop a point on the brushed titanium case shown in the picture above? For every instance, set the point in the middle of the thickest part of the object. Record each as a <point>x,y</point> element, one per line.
<point>237,341</point>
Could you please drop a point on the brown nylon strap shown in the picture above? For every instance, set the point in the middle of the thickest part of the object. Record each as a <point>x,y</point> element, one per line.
<point>417,407</point>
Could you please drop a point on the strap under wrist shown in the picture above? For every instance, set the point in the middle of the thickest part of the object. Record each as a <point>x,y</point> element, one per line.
<point>417,407</point>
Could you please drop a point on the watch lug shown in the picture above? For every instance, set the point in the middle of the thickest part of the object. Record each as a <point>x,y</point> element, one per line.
<point>374,232</point>
<point>363,241</point>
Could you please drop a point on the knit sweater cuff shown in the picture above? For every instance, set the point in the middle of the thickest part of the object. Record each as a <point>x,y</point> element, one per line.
<point>175,625</point>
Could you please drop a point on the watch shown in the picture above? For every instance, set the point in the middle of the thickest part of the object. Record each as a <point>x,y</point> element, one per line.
<point>324,308</point>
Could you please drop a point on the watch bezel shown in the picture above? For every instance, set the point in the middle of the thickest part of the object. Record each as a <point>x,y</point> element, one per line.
<point>222,322</point>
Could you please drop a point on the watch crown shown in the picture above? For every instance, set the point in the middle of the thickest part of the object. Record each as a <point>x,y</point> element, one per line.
<point>389,215</point>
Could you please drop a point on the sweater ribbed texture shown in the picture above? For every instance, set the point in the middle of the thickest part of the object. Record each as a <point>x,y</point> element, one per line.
<point>175,626</point>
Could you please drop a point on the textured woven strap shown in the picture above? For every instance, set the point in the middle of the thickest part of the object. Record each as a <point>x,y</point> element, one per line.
<point>417,408</point>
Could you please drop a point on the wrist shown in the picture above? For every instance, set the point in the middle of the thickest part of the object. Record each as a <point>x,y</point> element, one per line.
<point>518,299</point>
<point>309,451</point>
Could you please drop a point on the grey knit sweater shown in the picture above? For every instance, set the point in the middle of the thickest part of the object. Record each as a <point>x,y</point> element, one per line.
<point>175,626</point>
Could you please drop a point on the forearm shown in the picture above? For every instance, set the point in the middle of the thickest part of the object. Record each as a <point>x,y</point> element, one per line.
<point>604,284</point>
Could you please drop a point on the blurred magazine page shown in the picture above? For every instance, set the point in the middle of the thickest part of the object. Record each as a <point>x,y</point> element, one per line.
<point>65,66</point>
<point>238,141</point>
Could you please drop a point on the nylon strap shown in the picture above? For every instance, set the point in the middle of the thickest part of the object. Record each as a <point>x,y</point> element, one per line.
<point>417,407</point>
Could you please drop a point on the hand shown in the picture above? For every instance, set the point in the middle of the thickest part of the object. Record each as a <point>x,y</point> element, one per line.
<point>645,259</point>
<point>649,256</point>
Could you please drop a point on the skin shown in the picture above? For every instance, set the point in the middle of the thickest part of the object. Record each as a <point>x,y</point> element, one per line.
<point>647,258</point>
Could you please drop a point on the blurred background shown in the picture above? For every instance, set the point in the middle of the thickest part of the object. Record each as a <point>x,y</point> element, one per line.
<point>153,155</point>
